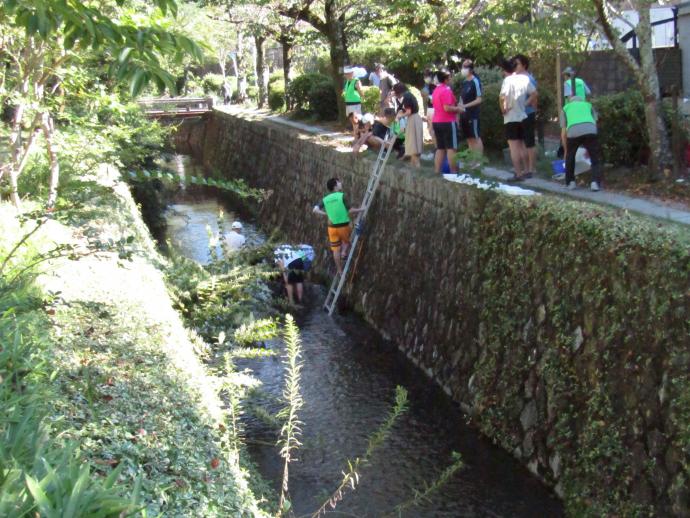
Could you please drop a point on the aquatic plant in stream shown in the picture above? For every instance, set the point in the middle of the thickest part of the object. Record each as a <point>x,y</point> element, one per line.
<point>291,429</point>
<point>419,496</point>
<point>351,476</point>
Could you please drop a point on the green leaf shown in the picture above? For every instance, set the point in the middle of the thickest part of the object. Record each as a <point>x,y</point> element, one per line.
<point>124,55</point>
<point>138,82</point>
<point>74,504</point>
<point>39,496</point>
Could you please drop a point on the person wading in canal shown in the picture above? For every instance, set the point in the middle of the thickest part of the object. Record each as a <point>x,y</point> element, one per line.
<point>334,206</point>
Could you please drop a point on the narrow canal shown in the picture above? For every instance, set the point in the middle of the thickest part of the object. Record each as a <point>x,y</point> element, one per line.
<point>348,385</point>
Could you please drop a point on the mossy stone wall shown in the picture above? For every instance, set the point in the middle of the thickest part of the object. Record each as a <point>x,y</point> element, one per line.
<point>562,328</point>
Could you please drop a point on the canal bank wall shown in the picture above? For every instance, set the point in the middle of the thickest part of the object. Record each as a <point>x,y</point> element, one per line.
<point>561,328</point>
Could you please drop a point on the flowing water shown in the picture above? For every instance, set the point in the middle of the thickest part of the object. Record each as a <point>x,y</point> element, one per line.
<point>348,385</point>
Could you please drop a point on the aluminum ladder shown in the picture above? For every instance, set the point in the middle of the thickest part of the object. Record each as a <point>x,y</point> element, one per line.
<point>379,166</point>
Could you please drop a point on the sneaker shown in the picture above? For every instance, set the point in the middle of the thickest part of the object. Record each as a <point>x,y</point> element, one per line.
<point>595,186</point>
<point>572,186</point>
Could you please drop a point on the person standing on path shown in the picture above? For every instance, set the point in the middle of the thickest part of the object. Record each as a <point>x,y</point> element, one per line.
<point>530,123</point>
<point>427,99</point>
<point>579,128</point>
<point>471,98</point>
<point>374,78</point>
<point>573,85</point>
<point>445,123</point>
<point>352,92</point>
<point>414,129</point>
<point>516,92</point>
<point>386,84</point>
<point>334,206</point>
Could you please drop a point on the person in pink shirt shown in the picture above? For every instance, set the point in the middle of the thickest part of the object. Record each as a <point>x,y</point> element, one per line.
<point>445,122</point>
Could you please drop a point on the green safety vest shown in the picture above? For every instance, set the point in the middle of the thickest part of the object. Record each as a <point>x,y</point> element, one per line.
<point>335,208</point>
<point>578,112</point>
<point>397,130</point>
<point>351,93</point>
<point>580,89</point>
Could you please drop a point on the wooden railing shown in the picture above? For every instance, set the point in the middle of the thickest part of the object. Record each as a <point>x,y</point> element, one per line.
<point>176,106</point>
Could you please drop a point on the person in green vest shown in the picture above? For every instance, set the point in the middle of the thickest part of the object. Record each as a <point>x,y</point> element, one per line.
<point>352,92</point>
<point>579,128</point>
<point>334,206</point>
<point>570,81</point>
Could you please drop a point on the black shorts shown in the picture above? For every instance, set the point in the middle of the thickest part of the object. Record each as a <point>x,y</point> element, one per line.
<point>295,272</point>
<point>515,131</point>
<point>446,135</point>
<point>528,127</point>
<point>469,127</point>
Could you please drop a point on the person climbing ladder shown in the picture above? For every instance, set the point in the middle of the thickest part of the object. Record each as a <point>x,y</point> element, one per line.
<point>334,206</point>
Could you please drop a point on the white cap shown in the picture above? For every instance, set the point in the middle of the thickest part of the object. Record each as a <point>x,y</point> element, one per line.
<point>348,70</point>
<point>236,225</point>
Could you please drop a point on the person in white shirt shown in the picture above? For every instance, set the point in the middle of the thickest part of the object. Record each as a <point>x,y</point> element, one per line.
<point>374,78</point>
<point>517,91</point>
<point>235,239</point>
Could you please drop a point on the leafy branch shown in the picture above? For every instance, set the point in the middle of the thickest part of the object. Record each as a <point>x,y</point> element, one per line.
<point>351,476</point>
<point>291,429</point>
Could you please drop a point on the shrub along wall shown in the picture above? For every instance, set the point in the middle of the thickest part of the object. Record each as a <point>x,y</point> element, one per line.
<point>562,328</point>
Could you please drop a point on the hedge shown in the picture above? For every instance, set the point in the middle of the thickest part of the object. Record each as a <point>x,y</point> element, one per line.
<point>298,89</point>
<point>322,100</point>
<point>212,83</point>
<point>276,94</point>
<point>371,103</point>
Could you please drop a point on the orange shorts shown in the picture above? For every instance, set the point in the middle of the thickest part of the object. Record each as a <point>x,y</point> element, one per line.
<point>338,235</point>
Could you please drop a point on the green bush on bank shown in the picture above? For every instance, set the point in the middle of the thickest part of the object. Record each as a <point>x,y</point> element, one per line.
<point>622,128</point>
<point>40,473</point>
<point>276,95</point>
<point>491,118</point>
<point>323,101</point>
<point>298,89</point>
<point>314,93</point>
<point>212,83</point>
<point>371,102</point>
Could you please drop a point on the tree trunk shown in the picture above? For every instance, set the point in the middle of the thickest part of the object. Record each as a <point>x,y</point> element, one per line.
<point>337,63</point>
<point>48,127</point>
<point>647,79</point>
<point>659,146</point>
<point>287,46</point>
<point>261,70</point>
<point>20,151</point>
<point>241,75</point>
<point>222,60</point>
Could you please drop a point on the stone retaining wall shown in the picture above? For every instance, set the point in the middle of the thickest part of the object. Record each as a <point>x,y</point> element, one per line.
<point>563,329</point>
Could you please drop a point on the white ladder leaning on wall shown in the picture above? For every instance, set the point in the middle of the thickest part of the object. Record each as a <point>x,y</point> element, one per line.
<point>379,166</point>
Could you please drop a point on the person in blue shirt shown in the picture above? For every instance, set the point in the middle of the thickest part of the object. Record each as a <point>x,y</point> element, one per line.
<point>471,98</point>
<point>530,123</point>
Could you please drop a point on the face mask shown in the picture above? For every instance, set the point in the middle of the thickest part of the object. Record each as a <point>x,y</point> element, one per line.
<point>427,80</point>
<point>465,72</point>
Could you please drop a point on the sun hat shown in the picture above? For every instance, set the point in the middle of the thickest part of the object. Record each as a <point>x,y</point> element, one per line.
<point>236,225</point>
